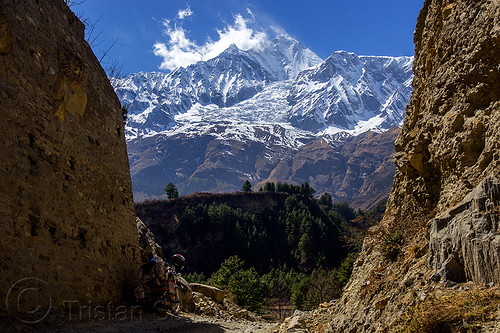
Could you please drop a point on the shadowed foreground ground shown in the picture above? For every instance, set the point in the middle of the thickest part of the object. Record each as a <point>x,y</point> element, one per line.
<point>143,322</point>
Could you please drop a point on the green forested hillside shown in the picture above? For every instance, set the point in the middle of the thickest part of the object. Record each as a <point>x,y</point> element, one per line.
<point>282,233</point>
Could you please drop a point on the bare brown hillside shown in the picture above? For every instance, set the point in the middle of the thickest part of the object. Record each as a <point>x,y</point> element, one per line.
<point>433,260</point>
<point>358,170</point>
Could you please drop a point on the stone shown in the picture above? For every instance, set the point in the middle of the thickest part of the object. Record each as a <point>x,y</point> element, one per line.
<point>381,304</point>
<point>324,305</point>
<point>447,11</point>
<point>147,243</point>
<point>213,292</point>
<point>295,322</point>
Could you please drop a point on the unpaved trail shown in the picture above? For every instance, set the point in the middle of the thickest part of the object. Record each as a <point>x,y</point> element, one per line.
<point>147,322</point>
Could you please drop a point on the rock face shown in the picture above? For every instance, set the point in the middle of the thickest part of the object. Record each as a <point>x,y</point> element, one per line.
<point>147,243</point>
<point>66,205</point>
<point>465,241</point>
<point>450,138</point>
<point>448,166</point>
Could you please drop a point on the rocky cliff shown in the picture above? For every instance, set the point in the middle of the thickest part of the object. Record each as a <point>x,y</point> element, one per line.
<point>439,242</point>
<point>66,208</point>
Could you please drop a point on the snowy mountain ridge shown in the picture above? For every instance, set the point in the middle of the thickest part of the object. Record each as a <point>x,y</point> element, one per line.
<point>233,76</point>
<point>285,84</point>
<point>351,93</point>
<point>258,115</point>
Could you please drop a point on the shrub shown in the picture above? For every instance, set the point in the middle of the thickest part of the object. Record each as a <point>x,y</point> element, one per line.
<point>279,284</point>
<point>244,285</point>
<point>196,278</point>
<point>343,273</point>
<point>392,245</point>
<point>322,287</point>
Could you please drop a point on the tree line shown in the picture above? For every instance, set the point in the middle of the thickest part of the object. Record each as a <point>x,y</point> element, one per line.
<point>296,255</point>
<point>304,233</point>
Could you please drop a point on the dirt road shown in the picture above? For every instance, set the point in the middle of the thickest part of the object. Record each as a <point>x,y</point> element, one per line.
<point>146,322</point>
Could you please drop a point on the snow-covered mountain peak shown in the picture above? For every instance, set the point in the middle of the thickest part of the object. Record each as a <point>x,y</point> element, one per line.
<point>295,57</point>
<point>232,50</point>
<point>351,93</point>
<point>258,114</point>
<point>233,76</point>
<point>283,83</point>
<point>289,46</point>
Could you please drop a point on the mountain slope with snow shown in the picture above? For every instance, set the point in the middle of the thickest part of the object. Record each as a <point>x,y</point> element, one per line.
<point>233,76</point>
<point>346,91</point>
<point>242,114</point>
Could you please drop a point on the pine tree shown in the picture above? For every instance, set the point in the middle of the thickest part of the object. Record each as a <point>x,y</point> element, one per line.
<point>246,187</point>
<point>306,190</point>
<point>171,191</point>
<point>269,187</point>
<point>326,200</point>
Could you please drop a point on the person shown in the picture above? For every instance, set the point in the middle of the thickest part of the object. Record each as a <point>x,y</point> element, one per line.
<point>158,279</point>
<point>178,261</point>
<point>153,278</point>
<point>153,273</point>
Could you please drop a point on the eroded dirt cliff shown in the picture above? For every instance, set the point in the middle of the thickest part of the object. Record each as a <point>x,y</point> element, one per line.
<point>66,208</point>
<point>445,188</point>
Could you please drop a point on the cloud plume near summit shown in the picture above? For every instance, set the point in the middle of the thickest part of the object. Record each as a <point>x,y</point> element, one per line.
<point>180,51</point>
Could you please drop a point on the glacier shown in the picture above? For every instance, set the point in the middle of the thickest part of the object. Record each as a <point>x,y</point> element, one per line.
<point>272,101</point>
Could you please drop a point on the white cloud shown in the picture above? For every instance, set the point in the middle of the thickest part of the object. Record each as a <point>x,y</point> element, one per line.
<point>183,13</point>
<point>180,51</point>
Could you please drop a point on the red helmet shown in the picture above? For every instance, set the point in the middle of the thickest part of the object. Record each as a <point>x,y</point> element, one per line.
<point>178,261</point>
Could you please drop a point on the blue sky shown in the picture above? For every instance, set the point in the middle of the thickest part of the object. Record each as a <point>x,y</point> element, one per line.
<point>161,34</point>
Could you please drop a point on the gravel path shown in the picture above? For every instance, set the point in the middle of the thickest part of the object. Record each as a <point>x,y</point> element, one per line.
<point>146,322</point>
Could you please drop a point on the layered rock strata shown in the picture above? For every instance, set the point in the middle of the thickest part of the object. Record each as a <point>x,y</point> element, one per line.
<point>464,241</point>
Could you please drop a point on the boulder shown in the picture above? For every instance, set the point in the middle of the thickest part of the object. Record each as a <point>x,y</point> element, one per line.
<point>214,293</point>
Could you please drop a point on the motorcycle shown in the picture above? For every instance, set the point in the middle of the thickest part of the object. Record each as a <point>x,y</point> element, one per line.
<point>167,295</point>
<point>160,287</point>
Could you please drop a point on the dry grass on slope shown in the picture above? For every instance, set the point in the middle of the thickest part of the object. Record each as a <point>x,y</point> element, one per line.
<point>461,311</point>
